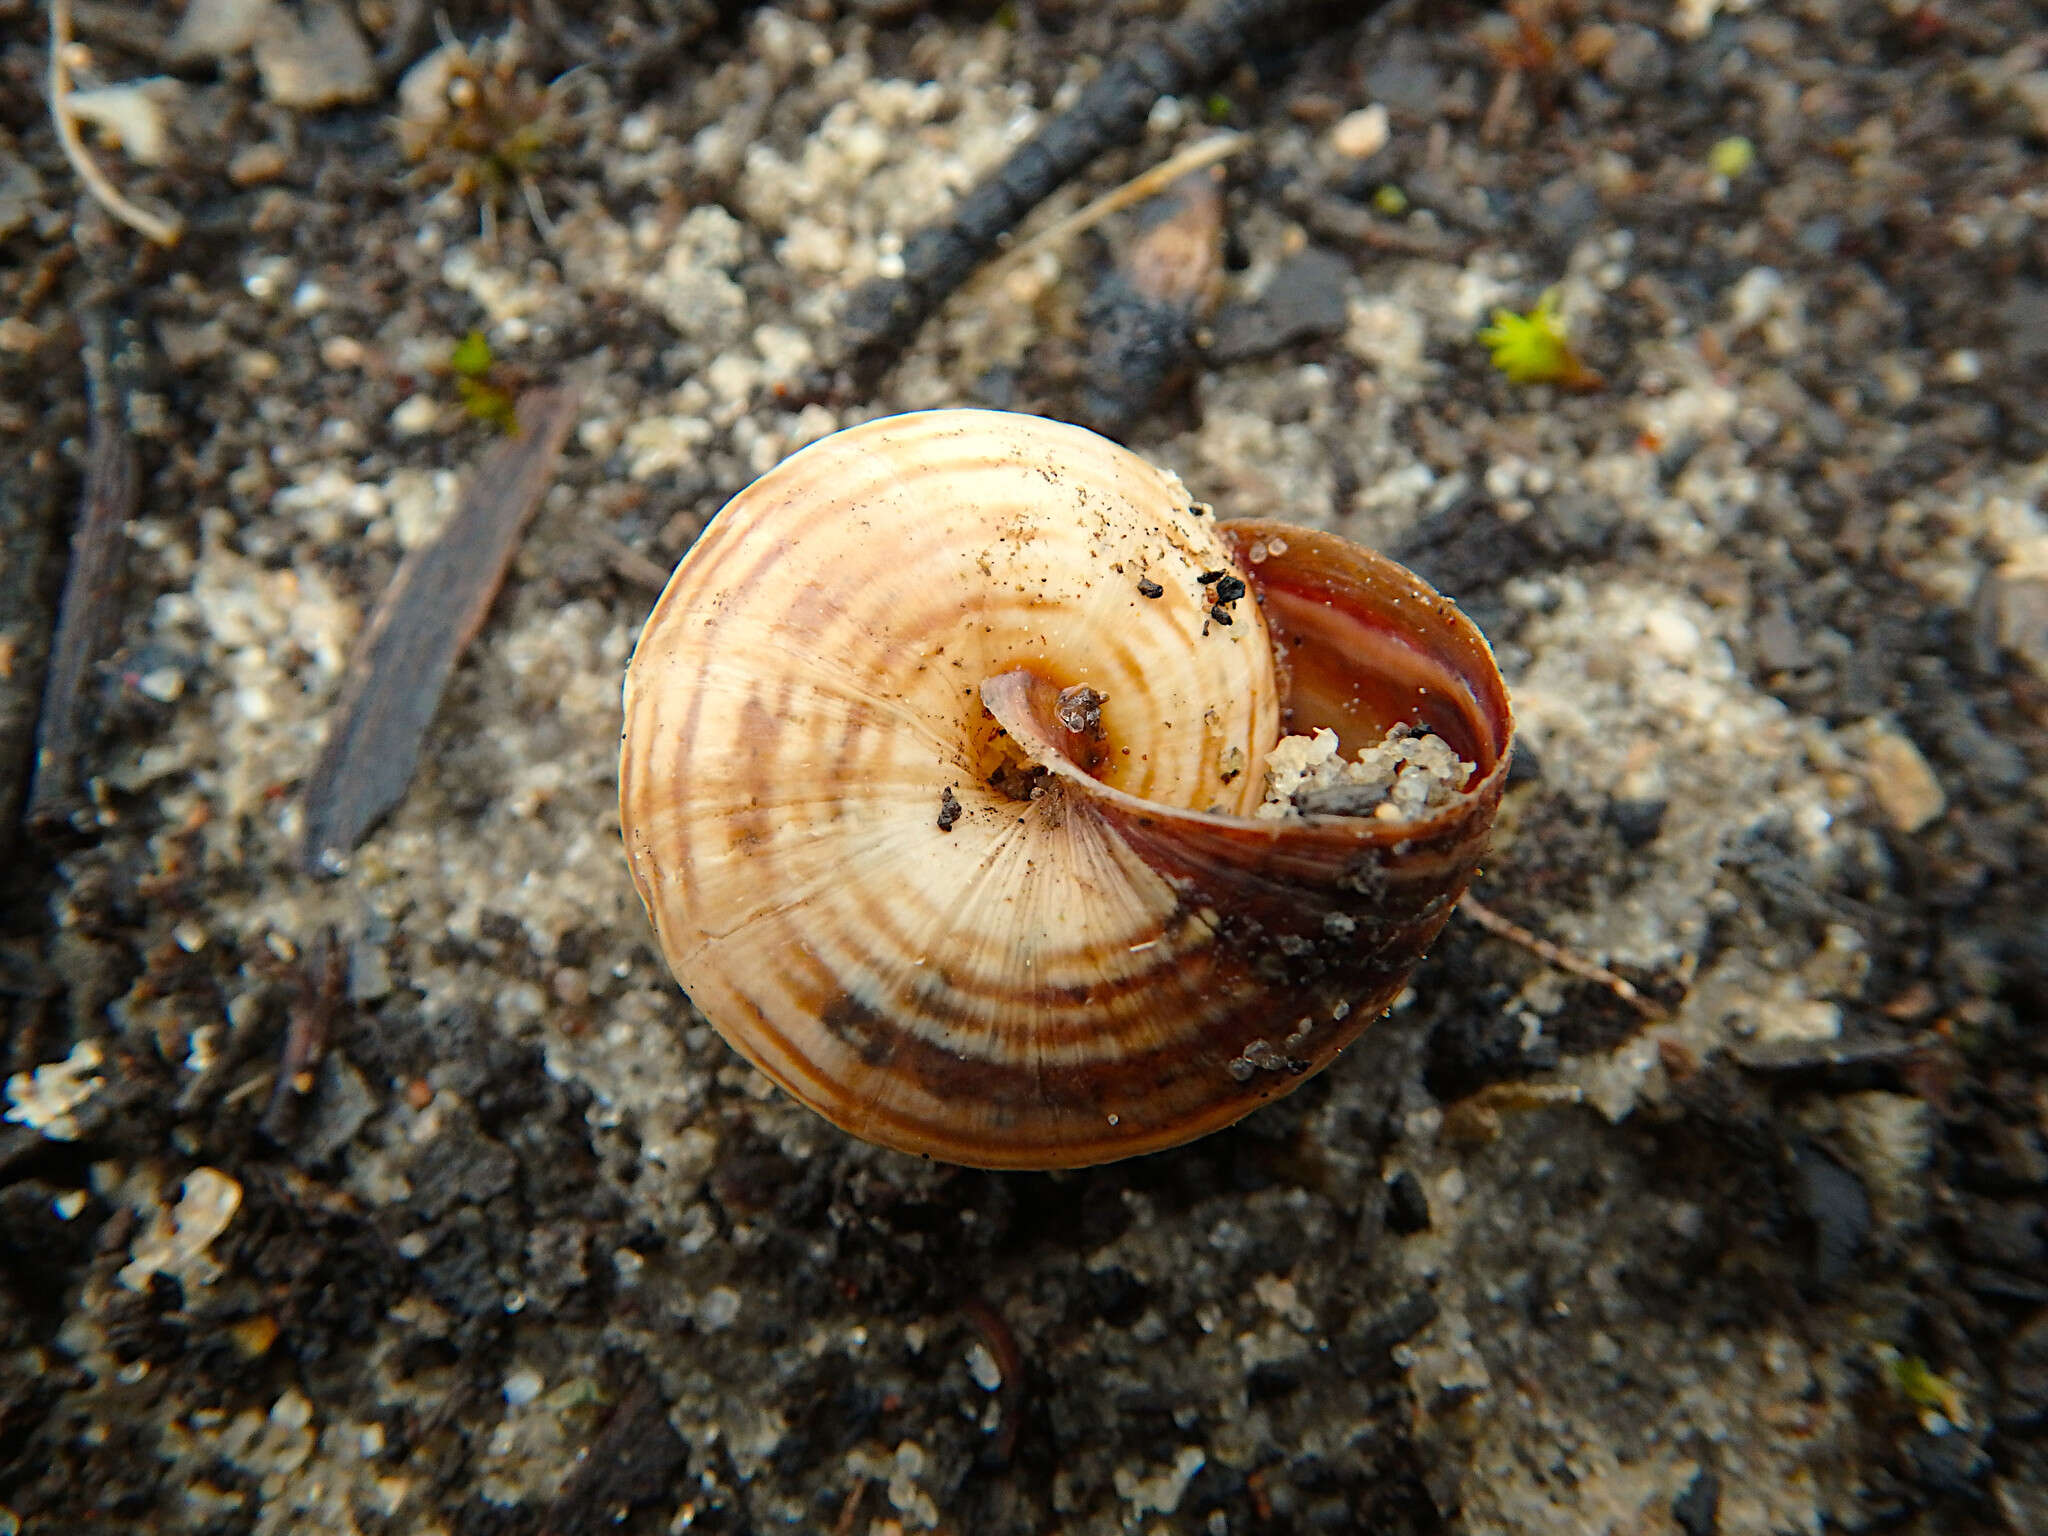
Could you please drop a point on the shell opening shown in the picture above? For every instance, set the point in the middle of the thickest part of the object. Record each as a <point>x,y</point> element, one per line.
<point>1368,648</point>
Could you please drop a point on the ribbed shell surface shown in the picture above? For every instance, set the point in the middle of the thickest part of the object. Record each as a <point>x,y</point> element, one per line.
<point>1099,952</point>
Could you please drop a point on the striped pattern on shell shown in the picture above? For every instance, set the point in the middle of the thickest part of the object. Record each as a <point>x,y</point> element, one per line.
<point>1102,953</point>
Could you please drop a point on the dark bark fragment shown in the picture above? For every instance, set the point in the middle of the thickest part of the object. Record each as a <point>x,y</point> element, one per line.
<point>634,1460</point>
<point>426,617</point>
<point>86,616</point>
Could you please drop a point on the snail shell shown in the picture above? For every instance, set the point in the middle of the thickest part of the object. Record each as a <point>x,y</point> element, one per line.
<point>944,820</point>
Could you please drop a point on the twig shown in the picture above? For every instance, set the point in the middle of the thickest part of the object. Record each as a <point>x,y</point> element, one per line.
<point>305,1038</point>
<point>537,210</point>
<point>1002,1344</point>
<point>882,316</point>
<point>1475,1119</point>
<point>1145,184</point>
<point>629,564</point>
<point>850,1510</point>
<point>163,230</point>
<point>426,617</point>
<point>1551,954</point>
<point>85,612</point>
<point>1344,223</point>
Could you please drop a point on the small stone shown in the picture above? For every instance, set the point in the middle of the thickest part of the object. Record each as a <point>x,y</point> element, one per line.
<point>983,1367</point>
<point>369,972</point>
<point>1305,300</point>
<point>719,1308</point>
<point>21,192</point>
<point>1962,366</point>
<point>1785,1020</point>
<point>341,1103</point>
<point>1692,19</point>
<point>1565,208</point>
<point>2031,92</point>
<point>342,352</point>
<point>316,61</point>
<point>1834,1202</point>
<point>176,1242</point>
<point>135,114</point>
<point>1407,1204</point>
<point>1637,820</point>
<point>45,1098</point>
<point>214,29</point>
<point>1635,61</point>
<point>1698,1510</point>
<point>2022,606</point>
<point>2022,324</point>
<point>1779,645</point>
<point>292,1411</point>
<point>163,684</point>
<point>257,366</point>
<point>1904,787</point>
<point>253,1336</point>
<point>523,1386</point>
<point>2024,1364</point>
<point>1405,77</point>
<point>1362,134</point>
<point>415,415</point>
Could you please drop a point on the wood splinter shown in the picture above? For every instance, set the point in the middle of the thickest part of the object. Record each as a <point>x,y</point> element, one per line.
<point>1552,954</point>
<point>164,230</point>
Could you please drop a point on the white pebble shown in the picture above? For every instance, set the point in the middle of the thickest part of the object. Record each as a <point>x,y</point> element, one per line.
<point>718,1309</point>
<point>523,1386</point>
<point>1362,134</point>
<point>415,415</point>
<point>982,1366</point>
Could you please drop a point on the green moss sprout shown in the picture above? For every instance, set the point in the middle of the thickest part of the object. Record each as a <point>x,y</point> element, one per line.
<point>1535,348</point>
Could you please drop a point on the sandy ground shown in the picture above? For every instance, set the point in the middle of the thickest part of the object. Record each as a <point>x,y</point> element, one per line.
<point>535,1252</point>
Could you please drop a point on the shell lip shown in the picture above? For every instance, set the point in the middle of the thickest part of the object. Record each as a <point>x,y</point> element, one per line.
<point>1022,703</point>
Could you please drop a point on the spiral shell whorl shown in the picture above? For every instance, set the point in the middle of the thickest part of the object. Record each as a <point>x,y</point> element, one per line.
<point>1074,970</point>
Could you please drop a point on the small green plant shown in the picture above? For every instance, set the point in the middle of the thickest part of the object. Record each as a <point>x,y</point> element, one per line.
<point>1916,1381</point>
<point>485,399</point>
<point>473,116</point>
<point>1535,348</point>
